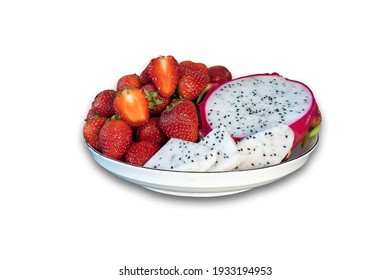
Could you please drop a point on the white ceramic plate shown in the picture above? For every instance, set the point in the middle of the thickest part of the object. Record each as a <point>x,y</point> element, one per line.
<point>205,184</point>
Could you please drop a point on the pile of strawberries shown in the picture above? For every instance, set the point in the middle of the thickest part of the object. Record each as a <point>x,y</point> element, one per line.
<point>134,121</point>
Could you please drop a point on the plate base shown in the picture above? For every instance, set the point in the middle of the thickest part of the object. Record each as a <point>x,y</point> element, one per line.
<point>196,194</point>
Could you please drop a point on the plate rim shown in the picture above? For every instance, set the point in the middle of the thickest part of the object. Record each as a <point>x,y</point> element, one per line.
<point>309,151</point>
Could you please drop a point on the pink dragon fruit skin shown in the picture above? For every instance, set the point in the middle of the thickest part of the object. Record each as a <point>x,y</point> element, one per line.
<point>301,125</point>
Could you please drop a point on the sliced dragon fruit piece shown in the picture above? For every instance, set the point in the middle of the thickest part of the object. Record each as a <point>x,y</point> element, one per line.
<point>251,104</point>
<point>265,148</point>
<point>228,156</point>
<point>183,155</point>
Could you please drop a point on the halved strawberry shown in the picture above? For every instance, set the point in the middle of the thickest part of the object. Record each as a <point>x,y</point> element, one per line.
<point>131,104</point>
<point>128,81</point>
<point>192,84</point>
<point>180,120</point>
<point>140,152</point>
<point>164,72</point>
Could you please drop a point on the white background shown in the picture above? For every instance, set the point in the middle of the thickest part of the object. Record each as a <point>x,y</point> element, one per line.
<point>64,217</point>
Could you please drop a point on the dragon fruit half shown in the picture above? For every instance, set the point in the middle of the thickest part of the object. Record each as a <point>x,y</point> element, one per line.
<point>254,103</point>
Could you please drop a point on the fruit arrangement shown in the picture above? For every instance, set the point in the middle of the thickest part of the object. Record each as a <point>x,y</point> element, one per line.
<point>187,116</point>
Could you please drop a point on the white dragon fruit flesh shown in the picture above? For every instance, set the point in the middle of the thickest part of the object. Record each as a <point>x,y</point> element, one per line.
<point>181,155</point>
<point>254,103</point>
<point>228,156</point>
<point>265,148</point>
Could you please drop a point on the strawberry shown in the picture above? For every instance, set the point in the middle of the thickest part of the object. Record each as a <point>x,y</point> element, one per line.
<point>192,84</point>
<point>91,131</point>
<point>180,120</point>
<point>152,132</point>
<point>219,74</point>
<point>144,77</point>
<point>140,152</point>
<point>131,104</point>
<point>156,102</point>
<point>149,88</point>
<point>103,103</point>
<point>187,66</point>
<point>91,114</point>
<point>164,72</point>
<point>115,137</point>
<point>128,81</point>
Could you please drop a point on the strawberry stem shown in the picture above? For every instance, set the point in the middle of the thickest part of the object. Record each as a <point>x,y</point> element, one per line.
<point>114,117</point>
<point>203,93</point>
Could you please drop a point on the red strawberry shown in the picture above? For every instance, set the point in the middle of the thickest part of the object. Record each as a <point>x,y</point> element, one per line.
<point>192,84</point>
<point>128,81</point>
<point>180,120</point>
<point>156,102</point>
<point>131,105</point>
<point>149,88</point>
<point>140,152</point>
<point>91,114</point>
<point>164,72</point>
<point>91,131</point>
<point>187,66</point>
<point>115,137</point>
<point>103,103</point>
<point>152,132</point>
<point>144,77</point>
<point>219,74</point>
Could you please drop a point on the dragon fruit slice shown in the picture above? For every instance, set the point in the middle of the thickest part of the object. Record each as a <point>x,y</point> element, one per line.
<point>250,104</point>
<point>182,155</point>
<point>265,148</point>
<point>228,156</point>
